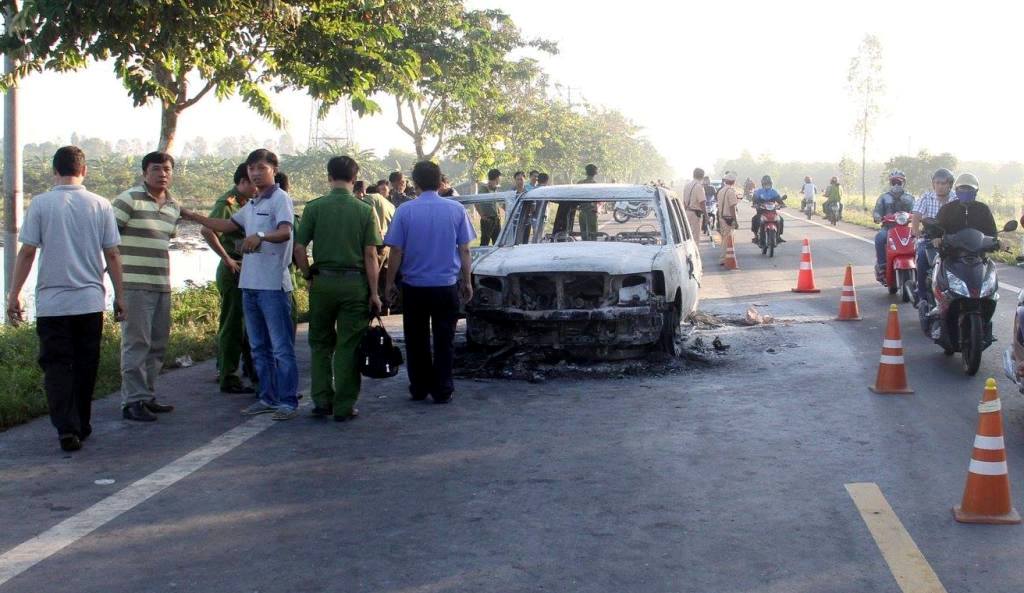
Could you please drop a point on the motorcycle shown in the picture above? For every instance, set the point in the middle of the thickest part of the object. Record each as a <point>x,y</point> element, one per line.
<point>965,288</point>
<point>900,251</point>
<point>1013,358</point>
<point>768,228</point>
<point>626,210</point>
<point>710,220</point>
<point>832,212</point>
<point>808,206</point>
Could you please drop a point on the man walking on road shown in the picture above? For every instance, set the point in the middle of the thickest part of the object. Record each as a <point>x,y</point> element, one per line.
<point>147,217</point>
<point>342,287</point>
<point>232,343</point>
<point>429,240</point>
<point>728,200</point>
<point>266,285</point>
<point>693,201</point>
<point>70,228</point>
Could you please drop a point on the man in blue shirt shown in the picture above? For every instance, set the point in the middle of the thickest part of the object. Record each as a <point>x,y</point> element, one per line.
<point>429,240</point>
<point>762,196</point>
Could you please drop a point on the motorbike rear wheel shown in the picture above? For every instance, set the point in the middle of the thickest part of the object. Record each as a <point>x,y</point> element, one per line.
<point>972,337</point>
<point>620,216</point>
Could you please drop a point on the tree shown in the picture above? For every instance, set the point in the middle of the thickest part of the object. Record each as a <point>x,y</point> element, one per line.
<point>866,85</point>
<point>465,65</point>
<point>919,169</point>
<point>333,48</point>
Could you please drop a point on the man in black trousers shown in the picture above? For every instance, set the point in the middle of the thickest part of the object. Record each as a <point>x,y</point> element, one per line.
<point>429,239</point>
<point>75,235</point>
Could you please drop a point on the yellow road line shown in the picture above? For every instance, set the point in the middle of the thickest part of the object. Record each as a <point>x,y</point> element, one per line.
<point>906,562</point>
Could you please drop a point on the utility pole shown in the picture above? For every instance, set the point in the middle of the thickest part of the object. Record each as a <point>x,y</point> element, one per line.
<point>12,162</point>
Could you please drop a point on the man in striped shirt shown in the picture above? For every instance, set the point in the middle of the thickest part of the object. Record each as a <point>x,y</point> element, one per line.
<point>146,217</point>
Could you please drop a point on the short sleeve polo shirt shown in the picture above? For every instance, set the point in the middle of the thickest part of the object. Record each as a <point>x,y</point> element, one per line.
<point>266,269</point>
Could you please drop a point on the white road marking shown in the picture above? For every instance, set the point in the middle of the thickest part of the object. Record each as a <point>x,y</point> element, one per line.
<point>26,555</point>
<point>1003,285</point>
<point>907,564</point>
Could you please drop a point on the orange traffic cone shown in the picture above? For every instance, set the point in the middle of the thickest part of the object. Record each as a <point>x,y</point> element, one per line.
<point>848,310</point>
<point>987,493</point>
<point>805,281</point>
<point>730,262</point>
<point>892,374</point>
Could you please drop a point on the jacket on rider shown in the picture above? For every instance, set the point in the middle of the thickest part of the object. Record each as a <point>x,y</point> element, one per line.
<point>957,216</point>
<point>888,203</point>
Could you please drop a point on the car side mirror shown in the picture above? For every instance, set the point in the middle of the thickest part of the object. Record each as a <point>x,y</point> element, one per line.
<point>1010,226</point>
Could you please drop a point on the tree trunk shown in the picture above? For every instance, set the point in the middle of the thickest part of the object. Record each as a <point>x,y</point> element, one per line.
<point>418,142</point>
<point>12,177</point>
<point>863,174</point>
<point>168,126</point>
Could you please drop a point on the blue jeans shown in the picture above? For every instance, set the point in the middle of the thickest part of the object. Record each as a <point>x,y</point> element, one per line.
<point>880,240</point>
<point>268,319</point>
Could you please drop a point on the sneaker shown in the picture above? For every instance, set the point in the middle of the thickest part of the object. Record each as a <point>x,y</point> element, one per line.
<point>137,412</point>
<point>258,408</point>
<point>352,415</point>
<point>157,407</point>
<point>70,442</point>
<point>285,414</point>
<point>781,240</point>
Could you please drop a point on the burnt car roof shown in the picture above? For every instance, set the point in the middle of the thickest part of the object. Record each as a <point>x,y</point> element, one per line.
<point>493,196</point>
<point>592,191</point>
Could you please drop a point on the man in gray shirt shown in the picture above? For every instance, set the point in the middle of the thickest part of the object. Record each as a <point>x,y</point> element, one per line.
<point>266,285</point>
<point>70,227</point>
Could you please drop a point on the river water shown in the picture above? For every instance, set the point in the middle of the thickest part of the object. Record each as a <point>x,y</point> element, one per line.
<point>190,263</point>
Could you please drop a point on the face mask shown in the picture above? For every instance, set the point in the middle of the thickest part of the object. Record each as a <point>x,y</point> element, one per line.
<point>966,195</point>
<point>896,190</point>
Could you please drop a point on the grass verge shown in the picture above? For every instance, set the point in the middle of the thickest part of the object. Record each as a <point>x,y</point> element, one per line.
<point>194,315</point>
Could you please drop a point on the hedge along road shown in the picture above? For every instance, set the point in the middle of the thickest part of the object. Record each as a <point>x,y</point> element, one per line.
<point>730,477</point>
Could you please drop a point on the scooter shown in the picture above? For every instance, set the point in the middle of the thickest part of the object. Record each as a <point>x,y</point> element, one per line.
<point>626,210</point>
<point>831,212</point>
<point>768,229</point>
<point>900,264</point>
<point>1013,358</point>
<point>965,286</point>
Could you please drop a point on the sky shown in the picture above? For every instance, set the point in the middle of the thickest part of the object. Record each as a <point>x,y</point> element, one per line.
<point>705,80</point>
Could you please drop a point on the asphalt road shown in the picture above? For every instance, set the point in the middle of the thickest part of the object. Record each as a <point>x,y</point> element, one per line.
<point>728,477</point>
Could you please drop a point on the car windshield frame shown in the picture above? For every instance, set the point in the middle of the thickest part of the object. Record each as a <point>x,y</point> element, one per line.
<point>512,234</point>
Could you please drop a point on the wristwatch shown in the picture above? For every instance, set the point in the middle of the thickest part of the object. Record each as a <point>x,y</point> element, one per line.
<point>261,235</point>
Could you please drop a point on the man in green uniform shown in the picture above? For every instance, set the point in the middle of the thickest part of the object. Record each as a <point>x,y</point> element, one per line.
<point>490,218</point>
<point>231,341</point>
<point>588,210</point>
<point>342,287</point>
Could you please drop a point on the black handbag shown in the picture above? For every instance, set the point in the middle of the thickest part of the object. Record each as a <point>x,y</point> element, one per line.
<point>377,356</point>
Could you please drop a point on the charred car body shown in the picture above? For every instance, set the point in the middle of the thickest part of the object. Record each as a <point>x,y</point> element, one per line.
<point>566,274</point>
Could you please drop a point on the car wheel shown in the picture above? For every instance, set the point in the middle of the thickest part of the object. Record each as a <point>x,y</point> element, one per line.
<point>670,331</point>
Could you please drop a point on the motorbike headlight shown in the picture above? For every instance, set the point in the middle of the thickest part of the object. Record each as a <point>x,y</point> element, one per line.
<point>990,285</point>
<point>957,286</point>
<point>634,290</point>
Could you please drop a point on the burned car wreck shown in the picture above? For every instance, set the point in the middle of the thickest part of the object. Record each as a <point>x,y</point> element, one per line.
<point>598,270</point>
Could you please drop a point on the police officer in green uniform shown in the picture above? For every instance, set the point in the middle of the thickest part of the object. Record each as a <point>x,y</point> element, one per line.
<point>232,343</point>
<point>490,219</point>
<point>588,210</point>
<point>342,287</point>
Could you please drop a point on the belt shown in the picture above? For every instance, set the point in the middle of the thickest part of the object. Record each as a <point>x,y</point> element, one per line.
<point>339,273</point>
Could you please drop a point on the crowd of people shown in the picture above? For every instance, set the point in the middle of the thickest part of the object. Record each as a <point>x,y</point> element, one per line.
<point>369,244</point>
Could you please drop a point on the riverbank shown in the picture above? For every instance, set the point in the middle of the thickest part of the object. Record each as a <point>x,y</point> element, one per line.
<point>194,314</point>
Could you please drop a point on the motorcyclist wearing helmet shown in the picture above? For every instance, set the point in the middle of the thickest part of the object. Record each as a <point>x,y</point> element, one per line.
<point>925,210</point>
<point>762,196</point>
<point>834,195</point>
<point>966,212</point>
<point>896,199</point>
